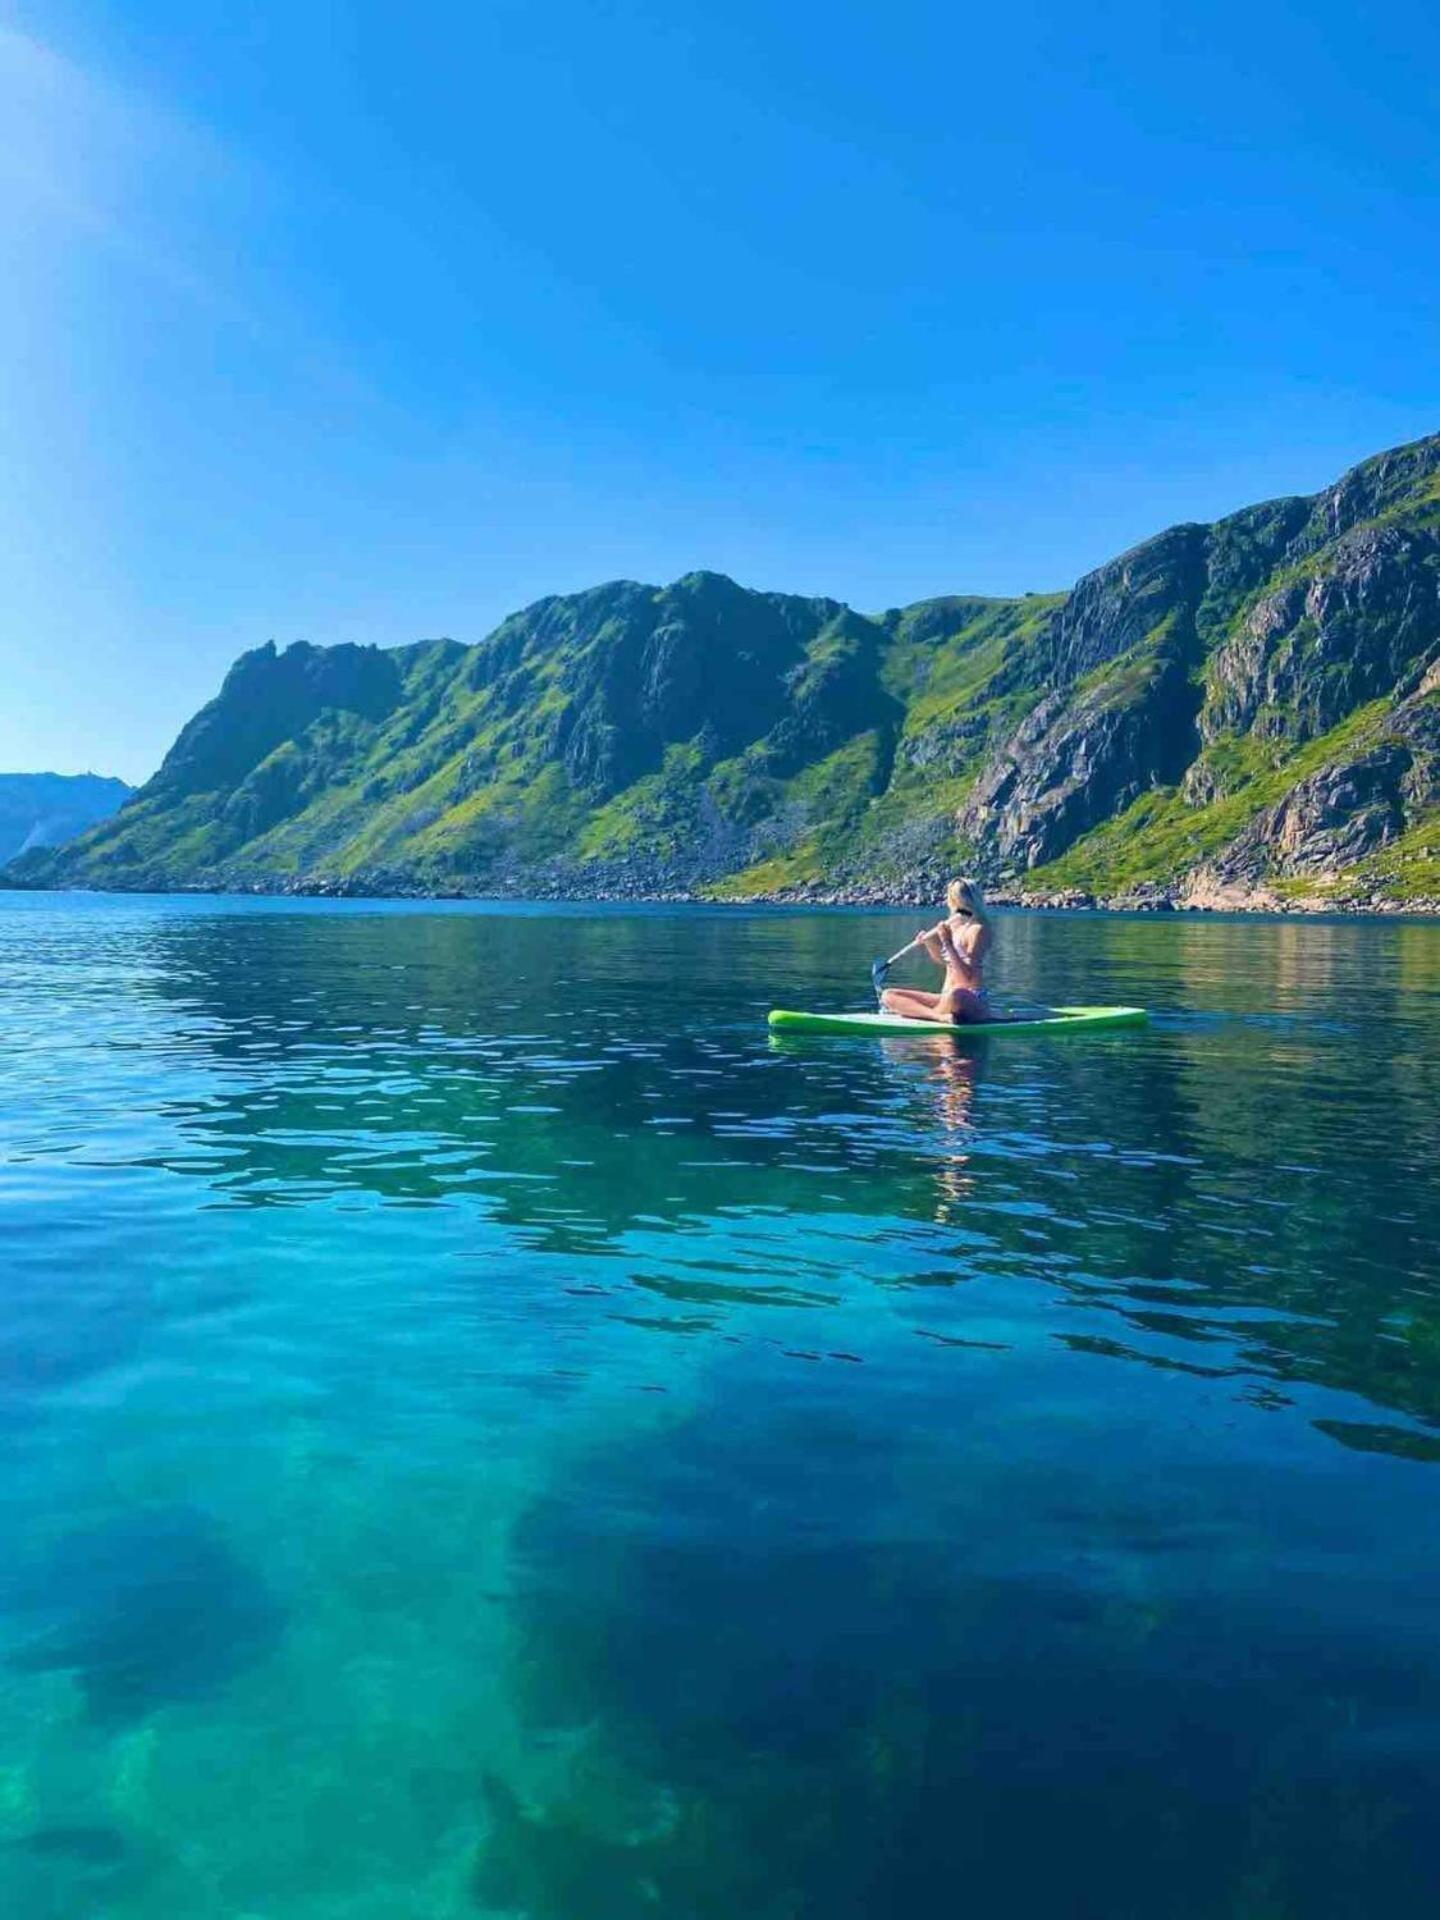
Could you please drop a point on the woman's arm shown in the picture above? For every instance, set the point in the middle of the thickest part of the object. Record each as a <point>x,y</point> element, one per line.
<point>932,943</point>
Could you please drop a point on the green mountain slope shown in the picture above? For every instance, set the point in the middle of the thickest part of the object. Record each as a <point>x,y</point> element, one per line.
<point>1243,711</point>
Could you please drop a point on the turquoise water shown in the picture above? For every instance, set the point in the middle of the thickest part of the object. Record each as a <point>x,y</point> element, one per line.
<point>486,1431</point>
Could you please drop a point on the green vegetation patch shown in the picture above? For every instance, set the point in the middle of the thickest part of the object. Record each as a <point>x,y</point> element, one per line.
<point>1409,868</point>
<point>1162,835</point>
<point>655,815</point>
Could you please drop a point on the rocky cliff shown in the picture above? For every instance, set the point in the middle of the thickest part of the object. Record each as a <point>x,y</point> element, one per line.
<point>1244,712</point>
<point>46,809</point>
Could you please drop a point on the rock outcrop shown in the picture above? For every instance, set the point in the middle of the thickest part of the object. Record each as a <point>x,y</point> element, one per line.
<point>1246,710</point>
<point>1344,631</point>
<point>1349,809</point>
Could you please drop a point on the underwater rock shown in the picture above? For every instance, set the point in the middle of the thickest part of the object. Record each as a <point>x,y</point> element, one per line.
<point>93,1847</point>
<point>849,1718</point>
<point>72,1872</point>
<point>147,1609</point>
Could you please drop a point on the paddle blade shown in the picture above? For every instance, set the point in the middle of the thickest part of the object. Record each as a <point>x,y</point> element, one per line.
<point>878,971</point>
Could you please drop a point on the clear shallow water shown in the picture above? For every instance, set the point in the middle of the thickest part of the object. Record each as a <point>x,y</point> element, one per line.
<point>485,1431</point>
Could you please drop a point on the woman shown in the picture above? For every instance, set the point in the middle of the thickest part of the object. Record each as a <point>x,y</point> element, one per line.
<point>960,945</point>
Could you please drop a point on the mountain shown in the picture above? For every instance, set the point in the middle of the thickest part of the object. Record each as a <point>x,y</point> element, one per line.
<point>46,809</point>
<point>1239,713</point>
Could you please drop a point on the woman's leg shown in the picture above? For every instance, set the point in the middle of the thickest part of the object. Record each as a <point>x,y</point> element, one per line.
<point>962,1007</point>
<point>914,1004</point>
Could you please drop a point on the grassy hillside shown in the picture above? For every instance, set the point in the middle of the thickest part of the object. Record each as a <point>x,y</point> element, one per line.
<point>1249,709</point>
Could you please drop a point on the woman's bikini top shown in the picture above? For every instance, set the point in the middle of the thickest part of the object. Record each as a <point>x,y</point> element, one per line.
<point>972,957</point>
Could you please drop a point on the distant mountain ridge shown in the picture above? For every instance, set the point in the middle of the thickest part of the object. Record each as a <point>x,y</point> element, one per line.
<point>47,809</point>
<point>1246,712</point>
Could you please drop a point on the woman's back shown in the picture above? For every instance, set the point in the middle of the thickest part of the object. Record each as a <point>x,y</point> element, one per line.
<point>970,939</point>
<point>959,943</point>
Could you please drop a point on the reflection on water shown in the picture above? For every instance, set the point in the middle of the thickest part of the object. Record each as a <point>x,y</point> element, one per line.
<point>954,1069</point>
<point>484,1434</point>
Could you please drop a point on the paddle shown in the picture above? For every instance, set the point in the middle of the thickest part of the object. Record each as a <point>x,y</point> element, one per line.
<point>879,968</point>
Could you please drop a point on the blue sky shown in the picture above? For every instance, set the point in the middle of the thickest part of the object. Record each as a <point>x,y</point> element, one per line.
<point>370,322</point>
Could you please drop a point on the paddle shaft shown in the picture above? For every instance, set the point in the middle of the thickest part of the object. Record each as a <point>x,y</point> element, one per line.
<point>908,946</point>
<point>879,968</point>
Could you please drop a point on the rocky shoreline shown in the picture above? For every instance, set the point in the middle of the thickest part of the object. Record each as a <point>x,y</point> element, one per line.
<point>1197,894</point>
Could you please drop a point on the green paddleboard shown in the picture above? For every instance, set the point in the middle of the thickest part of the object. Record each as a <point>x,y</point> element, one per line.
<point>1059,1020</point>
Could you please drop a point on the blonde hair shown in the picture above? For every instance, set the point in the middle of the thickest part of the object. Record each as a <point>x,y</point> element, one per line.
<point>965,896</point>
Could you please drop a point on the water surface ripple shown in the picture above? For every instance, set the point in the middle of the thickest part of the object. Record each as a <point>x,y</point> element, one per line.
<point>486,1431</point>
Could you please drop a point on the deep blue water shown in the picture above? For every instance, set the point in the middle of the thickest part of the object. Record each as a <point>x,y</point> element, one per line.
<point>486,1431</point>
